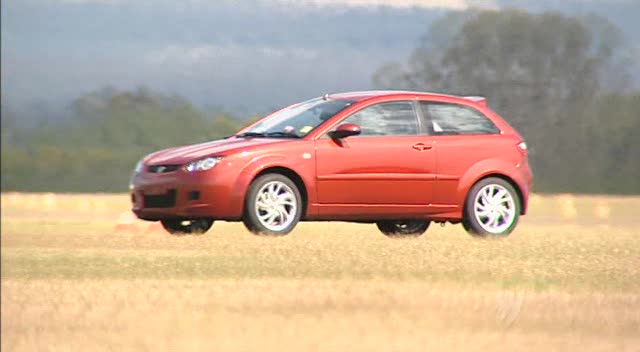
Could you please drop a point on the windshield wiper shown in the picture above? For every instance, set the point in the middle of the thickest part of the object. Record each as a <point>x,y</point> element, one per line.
<point>282,134</point>
<point>251,134</point>
<point>268,134</point>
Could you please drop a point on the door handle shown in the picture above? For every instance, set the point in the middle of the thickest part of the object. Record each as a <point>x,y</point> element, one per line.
<point>421,146</point>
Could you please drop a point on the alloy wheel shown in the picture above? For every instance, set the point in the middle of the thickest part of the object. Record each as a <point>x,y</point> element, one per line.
<point>275,206</point>
<point>494,208</point>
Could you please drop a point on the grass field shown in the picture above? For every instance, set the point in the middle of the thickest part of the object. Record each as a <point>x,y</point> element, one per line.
<point>79,274</point>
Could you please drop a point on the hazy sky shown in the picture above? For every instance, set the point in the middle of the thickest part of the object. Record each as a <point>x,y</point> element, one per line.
<point>451,4</point>
<point>457,4</point>
<point>254,54</point>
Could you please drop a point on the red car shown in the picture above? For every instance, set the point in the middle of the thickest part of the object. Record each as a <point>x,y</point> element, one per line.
<point>398,159</point>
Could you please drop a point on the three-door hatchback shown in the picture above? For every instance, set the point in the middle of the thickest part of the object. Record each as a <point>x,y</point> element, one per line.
<point>400,160</point>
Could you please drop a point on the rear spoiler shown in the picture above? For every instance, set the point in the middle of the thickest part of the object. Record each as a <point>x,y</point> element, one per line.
<point>478,100</point>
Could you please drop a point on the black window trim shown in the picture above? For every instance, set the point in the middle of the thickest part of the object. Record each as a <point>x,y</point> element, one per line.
<point>423,120</point>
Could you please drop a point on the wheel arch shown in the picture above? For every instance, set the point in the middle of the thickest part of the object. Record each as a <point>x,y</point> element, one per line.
<point>293,176</point>
<point>508,179</point>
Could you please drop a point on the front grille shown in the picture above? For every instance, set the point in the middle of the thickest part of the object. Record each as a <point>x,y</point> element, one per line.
<point>157,169</point>
<point>167,200</point>
<point>194,195</point>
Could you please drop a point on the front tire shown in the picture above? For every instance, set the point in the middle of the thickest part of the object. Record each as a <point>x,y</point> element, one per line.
<point>187,227</point>
<point>273,205</point>
<point>403,228</point>
<point>492,208</point>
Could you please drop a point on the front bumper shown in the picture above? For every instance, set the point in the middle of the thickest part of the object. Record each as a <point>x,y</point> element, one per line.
<point>180,194</point>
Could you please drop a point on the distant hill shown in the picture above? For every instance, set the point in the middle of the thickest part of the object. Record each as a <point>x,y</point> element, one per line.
<point>250,56</point>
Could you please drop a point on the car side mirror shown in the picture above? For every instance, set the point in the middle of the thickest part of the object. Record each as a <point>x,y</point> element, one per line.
<point>345,130</point>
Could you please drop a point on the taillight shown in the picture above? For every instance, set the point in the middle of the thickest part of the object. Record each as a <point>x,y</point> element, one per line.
<point>522,147</point>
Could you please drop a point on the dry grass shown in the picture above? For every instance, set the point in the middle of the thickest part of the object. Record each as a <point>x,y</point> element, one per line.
<point>568,279</point>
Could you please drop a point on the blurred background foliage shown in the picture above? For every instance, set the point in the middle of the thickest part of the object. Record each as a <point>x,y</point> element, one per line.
<point>96,148</point>
<point>564,82</point>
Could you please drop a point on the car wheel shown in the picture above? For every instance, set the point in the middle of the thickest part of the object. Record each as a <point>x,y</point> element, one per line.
<point>186,227</point>
<point>273,205</point>
<point>403,228</point>
<point>492,208</point>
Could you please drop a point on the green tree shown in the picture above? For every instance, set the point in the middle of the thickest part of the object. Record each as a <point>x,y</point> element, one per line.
<point>97,148</point>
<point>544,73</point>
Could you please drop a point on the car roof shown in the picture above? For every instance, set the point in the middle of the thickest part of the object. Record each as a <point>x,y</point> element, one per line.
<point>366,94</point>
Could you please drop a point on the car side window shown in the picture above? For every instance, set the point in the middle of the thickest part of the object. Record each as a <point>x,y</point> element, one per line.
<point>386,119</point>
<point>446,119</point>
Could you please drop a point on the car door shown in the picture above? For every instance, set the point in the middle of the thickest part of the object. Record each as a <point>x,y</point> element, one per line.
<point>388,168</point>
<point>465,137</point>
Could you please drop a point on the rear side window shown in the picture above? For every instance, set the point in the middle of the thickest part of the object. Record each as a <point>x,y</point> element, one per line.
<point>445,119</point>
<point>386,119</point>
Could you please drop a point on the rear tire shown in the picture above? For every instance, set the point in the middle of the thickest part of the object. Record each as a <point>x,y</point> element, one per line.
<point>403,228</point>
<point>187,227</point>
<point>273,205</point>
<point>492,208</point>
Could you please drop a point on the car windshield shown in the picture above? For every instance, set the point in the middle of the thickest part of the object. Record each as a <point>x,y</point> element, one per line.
<point>297,120</point>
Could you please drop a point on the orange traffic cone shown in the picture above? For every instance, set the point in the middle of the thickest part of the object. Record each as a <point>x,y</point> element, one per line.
<point>126,222</point>
<point>156,227</point>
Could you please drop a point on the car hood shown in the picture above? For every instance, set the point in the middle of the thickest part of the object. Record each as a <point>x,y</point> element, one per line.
<point>186,154</point>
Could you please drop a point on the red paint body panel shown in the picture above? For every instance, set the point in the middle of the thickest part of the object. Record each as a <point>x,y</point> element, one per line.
<point>363,178</point>
<point>374,170</point>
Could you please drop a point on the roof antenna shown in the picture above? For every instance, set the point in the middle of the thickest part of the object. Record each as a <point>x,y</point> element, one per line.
<point>325,96</point>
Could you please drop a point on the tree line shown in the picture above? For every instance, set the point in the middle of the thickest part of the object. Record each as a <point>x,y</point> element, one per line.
<point>561,81</point>
<point>96,149</point>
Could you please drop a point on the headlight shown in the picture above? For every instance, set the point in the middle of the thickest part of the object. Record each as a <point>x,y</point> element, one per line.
<point>202,164</point>
<point>139,167</point>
